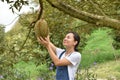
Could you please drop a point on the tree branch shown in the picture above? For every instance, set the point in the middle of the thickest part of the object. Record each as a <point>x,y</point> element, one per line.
<point>33,23</point>
<point>85,16</point>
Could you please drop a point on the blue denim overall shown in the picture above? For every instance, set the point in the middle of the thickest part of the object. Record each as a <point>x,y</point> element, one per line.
<point>62,71</point>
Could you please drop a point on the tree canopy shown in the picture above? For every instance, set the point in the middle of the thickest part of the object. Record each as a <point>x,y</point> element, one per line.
<point>98,12</point>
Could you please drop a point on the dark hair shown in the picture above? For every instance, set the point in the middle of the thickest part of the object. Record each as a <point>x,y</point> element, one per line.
<point>76,38</point>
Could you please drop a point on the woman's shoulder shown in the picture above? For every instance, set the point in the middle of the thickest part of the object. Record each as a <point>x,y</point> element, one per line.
<point>59,51</point>
<point>76,54</point>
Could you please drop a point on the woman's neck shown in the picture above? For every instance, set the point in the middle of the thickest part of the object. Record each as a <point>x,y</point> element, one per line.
<point>69,51</point>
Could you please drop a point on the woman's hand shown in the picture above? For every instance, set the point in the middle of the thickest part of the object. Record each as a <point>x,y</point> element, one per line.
<point>45,42</point>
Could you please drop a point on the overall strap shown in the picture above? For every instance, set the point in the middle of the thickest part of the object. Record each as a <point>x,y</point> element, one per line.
<point>61,54</point>
<point>62,71</point>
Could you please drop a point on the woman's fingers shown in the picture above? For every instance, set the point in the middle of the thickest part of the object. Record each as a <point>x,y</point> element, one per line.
<point>39,40</point>
<point>42,41</point>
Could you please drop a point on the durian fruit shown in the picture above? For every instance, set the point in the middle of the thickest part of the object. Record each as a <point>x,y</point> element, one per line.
<point>41,28</point>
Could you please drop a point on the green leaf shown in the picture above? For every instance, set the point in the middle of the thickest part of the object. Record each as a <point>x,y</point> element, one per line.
<point>2,0</point>
<point>15,5</point>
<point>7,1</point>
<point>12,10</point>
<point>10,1</point>
<point>20,8</point>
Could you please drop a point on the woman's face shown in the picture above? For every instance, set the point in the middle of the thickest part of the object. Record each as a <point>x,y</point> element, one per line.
<point>69,41</point>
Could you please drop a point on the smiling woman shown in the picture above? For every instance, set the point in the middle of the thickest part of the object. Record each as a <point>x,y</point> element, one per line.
<point>7,18</point>
<point>66,60</point>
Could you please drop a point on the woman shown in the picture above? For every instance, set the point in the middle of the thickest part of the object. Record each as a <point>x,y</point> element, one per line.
<point>66,60</point>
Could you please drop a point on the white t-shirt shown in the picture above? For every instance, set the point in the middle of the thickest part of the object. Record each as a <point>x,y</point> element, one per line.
<point>74,58</point>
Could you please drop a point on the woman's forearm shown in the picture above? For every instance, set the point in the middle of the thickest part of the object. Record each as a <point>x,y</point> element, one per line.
<point>53,56</point>
<point>53,47</point>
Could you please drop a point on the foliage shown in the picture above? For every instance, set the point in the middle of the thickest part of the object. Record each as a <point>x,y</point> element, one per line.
<point>116,37</point>
<point>98,48</point>
<point>28,71</point>
<point>2,46</point>
<point>117,54</point>
<point>101,7</point>
<point>18,4</point>
<point>45,71</point>
<point>96,12</point>
<point>2,41</point>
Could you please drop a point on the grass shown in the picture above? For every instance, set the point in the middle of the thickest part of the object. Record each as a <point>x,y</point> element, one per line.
<point>108,70</point>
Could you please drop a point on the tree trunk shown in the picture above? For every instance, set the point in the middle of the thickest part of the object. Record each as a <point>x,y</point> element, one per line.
<point>85,16</point>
